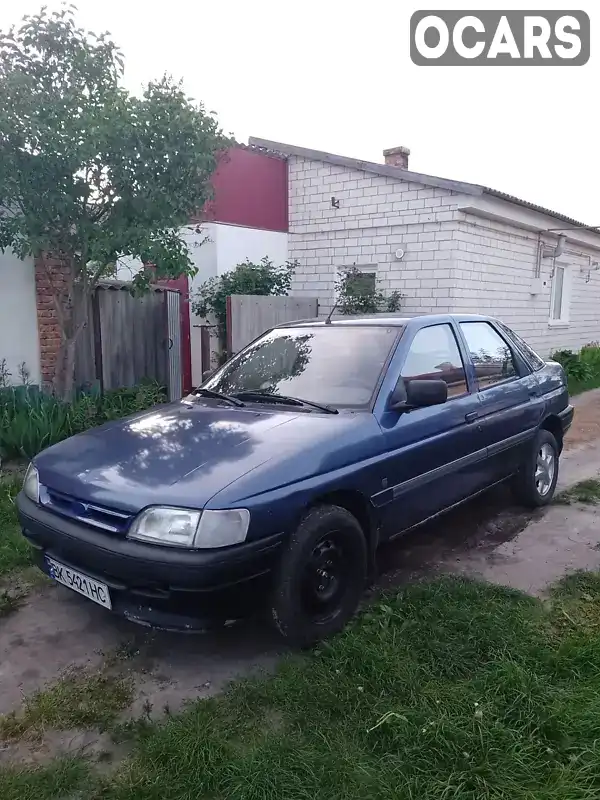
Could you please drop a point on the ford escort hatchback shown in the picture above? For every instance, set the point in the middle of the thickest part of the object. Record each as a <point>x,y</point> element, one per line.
<point>272,485</point>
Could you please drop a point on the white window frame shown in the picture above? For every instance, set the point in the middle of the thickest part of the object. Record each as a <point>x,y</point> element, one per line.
<point>563,318</point>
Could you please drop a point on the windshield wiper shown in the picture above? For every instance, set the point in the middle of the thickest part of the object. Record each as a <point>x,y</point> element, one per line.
<point>218,396</point>
<point>268,397</point>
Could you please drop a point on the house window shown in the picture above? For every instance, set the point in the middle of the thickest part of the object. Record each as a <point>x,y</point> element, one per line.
<point>559,302</point>
<point>355,288</point>
<point>361,281</point>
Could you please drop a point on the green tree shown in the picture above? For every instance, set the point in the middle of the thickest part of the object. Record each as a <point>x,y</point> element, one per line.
<point>91,173</point>
<point>264,278</point>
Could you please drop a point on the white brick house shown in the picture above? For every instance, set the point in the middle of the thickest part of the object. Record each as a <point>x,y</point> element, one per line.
<point>466,248</point>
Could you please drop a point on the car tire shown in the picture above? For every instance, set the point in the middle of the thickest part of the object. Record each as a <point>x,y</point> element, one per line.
<point>535,483</point>
<point>321,577</point>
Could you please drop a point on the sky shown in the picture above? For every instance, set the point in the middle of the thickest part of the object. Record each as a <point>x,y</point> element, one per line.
<point>337,76</point>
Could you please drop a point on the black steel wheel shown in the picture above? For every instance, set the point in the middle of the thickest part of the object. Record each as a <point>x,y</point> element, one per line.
<point>322,576</point>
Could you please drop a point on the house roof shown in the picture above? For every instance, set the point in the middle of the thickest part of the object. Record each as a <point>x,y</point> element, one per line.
<point>461,187</point>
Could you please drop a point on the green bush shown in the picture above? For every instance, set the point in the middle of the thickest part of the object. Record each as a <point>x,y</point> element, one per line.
<point>572,364</point>
<point>582,369</point>
<point>31,420</point>
<point>590,355</point>
<point>357,293</point>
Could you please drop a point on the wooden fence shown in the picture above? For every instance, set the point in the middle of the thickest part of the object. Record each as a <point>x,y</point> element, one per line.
<point>130,338</point>
<point>250,315</point>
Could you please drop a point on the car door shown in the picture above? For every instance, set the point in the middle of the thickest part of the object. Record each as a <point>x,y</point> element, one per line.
<point>431,456</point>
<point>508,394</point>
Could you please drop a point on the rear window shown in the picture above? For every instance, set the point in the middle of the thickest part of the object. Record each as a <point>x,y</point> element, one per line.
<point>531,357</point>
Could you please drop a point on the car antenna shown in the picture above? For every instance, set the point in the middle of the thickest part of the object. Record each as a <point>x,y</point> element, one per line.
<point>328,320</point>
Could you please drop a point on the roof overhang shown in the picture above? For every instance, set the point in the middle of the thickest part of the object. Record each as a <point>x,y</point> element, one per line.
<point>495,208</point>
<point>485,201</point>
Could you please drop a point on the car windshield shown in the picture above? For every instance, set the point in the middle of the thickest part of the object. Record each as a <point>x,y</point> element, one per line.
<point>337,365</point>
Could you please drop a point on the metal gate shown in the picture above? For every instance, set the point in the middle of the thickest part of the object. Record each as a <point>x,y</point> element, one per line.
<point>174,344</point>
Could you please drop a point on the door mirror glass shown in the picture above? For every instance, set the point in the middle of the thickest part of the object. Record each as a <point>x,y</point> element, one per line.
<point>418,394</point>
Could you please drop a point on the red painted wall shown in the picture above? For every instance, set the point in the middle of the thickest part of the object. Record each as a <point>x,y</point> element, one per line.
<point>251,189</point>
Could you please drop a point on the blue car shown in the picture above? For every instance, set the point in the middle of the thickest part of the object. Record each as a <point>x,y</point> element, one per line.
<point>272,485</point>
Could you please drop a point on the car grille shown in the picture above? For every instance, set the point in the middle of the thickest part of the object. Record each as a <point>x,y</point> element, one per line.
<point>106,519</point>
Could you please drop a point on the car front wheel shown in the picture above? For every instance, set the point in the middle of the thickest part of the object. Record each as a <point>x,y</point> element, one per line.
<point>535,483</point>
<point>321,577</point>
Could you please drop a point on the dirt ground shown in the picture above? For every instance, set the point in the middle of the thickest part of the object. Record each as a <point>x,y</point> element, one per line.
<point>55,629</point>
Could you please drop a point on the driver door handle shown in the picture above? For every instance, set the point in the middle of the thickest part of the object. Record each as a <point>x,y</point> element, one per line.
<point>471,416</point>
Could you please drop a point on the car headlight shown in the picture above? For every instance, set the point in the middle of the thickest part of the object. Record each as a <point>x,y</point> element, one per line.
<point>31,484</point>
<point>181,527</point>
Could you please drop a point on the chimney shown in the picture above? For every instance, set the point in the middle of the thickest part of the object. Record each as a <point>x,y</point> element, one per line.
<point>397,157</point>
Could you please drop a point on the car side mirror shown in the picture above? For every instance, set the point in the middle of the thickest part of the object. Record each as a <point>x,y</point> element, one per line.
<point>418,394</point>
<point>208,373</point>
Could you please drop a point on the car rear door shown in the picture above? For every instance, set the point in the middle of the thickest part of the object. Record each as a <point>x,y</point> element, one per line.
<point>509,395</point>
<point>432,457</point>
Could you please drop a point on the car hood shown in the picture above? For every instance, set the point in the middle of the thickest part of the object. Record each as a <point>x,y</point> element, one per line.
<point>184,452</point>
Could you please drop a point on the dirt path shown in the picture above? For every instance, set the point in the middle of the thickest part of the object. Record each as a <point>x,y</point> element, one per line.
<point>585,430</point>
<point>56,629</point>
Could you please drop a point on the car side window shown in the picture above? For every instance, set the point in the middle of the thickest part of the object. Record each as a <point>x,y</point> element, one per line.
<point>491,355</point>
<point>434,355</point>
<point>535,361</point>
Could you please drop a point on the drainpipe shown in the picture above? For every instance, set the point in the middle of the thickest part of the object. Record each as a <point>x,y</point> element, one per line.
<point>555,252</point>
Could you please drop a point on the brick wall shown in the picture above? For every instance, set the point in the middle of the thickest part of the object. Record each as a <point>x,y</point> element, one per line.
<point>377,215</point>
<point>49,272</point>
<point>453,261</point>
<point>494,268</point>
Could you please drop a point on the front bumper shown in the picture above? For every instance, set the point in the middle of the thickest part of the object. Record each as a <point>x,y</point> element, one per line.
<point>161,587</point>
<point>566,418</point>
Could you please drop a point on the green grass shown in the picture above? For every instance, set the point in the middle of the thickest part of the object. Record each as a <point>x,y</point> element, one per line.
<point>576,604</point>
<point>14,550</point>
<point>8,603</point>
<point>578,386</point>
<point>451,689</point>
<point>583,492</point>
<point>59,780</point>
<point>78,700</point>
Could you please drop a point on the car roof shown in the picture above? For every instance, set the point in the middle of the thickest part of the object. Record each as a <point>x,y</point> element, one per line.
<point>387,320</point>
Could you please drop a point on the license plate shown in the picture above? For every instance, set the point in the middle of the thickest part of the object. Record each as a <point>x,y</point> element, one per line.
<point>88,587</point>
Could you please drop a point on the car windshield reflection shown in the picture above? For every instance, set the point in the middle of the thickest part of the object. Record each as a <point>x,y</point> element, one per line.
<point>334,365</point>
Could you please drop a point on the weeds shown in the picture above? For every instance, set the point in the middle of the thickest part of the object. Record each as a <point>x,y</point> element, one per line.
<point>31,420</point>
<point>78,700</point>
<point>576,604</point>
<point>14,550</point>
<point>9,602</point>
<point>449,689</point>
<point>583,492</point>
<point>61,779</point>
<point>582,369</point>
